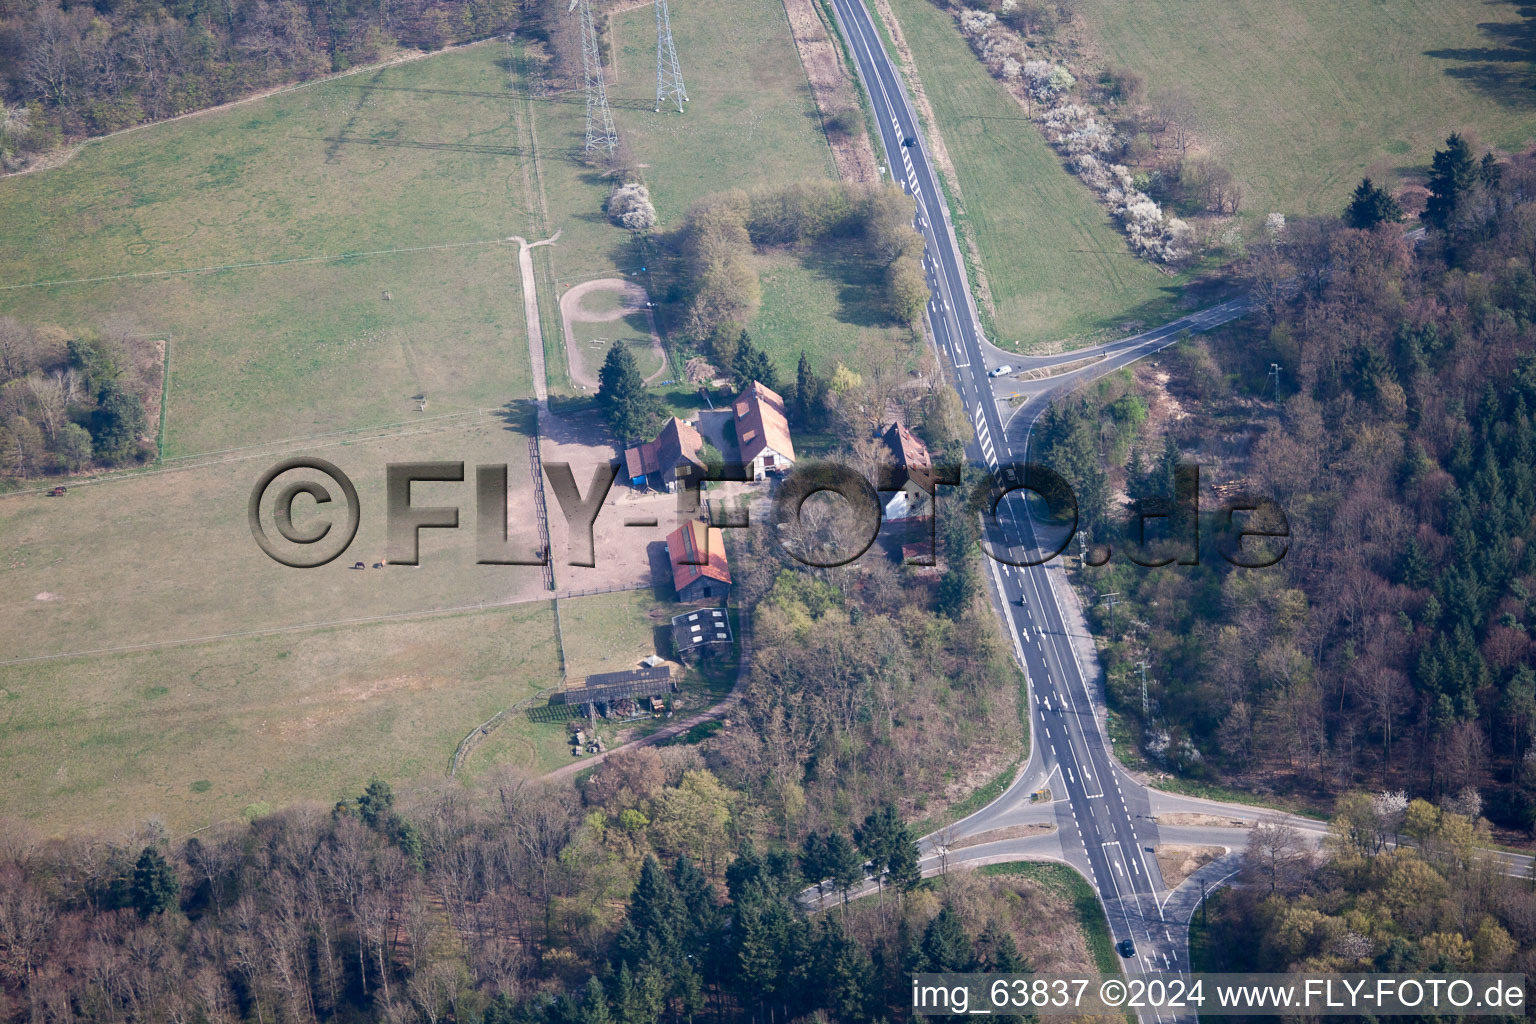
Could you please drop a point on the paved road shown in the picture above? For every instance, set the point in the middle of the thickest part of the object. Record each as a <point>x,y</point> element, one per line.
<point>1103,816</point>
<point>1106,821</point>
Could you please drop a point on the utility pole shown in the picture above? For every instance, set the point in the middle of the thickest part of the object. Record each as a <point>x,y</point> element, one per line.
<point>669,74</point>
<point>601,135</point>
<point>1111,599</point>
<point>1146,705</point>
<point>1274,376</point>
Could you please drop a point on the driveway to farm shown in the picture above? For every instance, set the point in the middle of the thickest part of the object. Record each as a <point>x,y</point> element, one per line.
<point>634,300</point>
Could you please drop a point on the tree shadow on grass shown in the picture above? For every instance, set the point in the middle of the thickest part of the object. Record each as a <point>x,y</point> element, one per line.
<point>860,283</point>
<point>1505,70</point>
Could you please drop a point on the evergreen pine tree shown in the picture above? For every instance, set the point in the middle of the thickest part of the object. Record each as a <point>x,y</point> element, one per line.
<point>998,953</point>
<point>155,888</point>
<point>813,859</point>
<point>844,971</point>
<point>752,364</point>
<point>632,412</point>
<point>1370,206</point>
<point>594,1004</point>
<point>946,947</point>
<point>375,805</point>
<point>807,391</point>
<point>1452,175</point>
<point>843,864</point>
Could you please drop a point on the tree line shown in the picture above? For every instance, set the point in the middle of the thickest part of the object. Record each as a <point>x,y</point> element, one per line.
<point>644,898</point>
<point>717,239</point>
<point>70,403</point>
<point>1399,886</point>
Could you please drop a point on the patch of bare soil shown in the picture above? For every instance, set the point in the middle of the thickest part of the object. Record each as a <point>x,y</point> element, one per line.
<point>999,834</point>
<point>634,299</point>
<point>1201,818</point>
<point>1179,862</point>
<point>935,143</point>
<point>832,88</point>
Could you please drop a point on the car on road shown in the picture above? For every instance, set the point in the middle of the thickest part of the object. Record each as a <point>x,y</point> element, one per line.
<point>908,142</point>
<point>998,371</point>
<point>1126,948</point>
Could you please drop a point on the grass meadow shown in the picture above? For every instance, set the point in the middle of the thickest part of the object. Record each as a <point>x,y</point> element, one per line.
<point>1301,100</point>
<point>151,557</point>
<point>364,164</point>
<point>1057,267</point>
<point>829,309</point>
<point>155,662</point>
<point>596,337</point>
<point>200,733</point>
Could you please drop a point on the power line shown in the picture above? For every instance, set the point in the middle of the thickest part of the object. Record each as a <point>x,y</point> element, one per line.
<point>669,74</point>
<point>601,134</point>
<point>1146,705</point>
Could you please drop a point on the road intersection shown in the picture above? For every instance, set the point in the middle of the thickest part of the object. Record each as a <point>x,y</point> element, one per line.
<point>1106,822</point>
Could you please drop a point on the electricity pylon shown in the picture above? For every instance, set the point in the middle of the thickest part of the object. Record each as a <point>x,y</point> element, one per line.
<point>600,131</point>
<point>669,74</point>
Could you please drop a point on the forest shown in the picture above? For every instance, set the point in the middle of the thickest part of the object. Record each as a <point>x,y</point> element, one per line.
<point>1399,887</point>
<point>1391,646</point>
<point>69,70</point>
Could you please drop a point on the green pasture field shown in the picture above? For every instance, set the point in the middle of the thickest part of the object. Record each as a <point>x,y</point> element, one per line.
<point>612,632</point>
<point>364,164</point>
<point>200,733</point>
<point>827,308</point>
<point>596,337</point>
<point>1301,100</point>
<point>142,558</point>
<point>1058,268</point>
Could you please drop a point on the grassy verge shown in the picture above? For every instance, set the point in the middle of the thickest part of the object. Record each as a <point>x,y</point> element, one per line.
<point>970,805</point>
<point>1056,267</point>
<point>1203,955</point>
<point>1215,791</point>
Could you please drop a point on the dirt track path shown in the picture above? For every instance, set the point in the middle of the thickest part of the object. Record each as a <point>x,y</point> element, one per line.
<point>531,315</point>
<point>635,300</point>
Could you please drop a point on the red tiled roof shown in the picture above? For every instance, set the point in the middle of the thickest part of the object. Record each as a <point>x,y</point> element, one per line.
<point>912,459</point>
<point>690,543</point>
<point>677,443</point>
<point>923,550</point>
<point>761,423</point>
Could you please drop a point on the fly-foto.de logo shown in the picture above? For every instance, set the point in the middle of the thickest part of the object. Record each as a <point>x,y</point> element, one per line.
<point>1161,531</point>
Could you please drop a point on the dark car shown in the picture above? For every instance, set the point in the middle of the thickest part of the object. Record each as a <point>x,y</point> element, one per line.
<point>909,142</point>
<point>1126,948</point>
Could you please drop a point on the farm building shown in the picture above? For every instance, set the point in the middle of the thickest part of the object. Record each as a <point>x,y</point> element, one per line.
<point>605,689</point>
<point>659,463</point>
<point>701,632</point>
<point>762,431</point>
<point>911,475</point>
<point>697,555</point>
